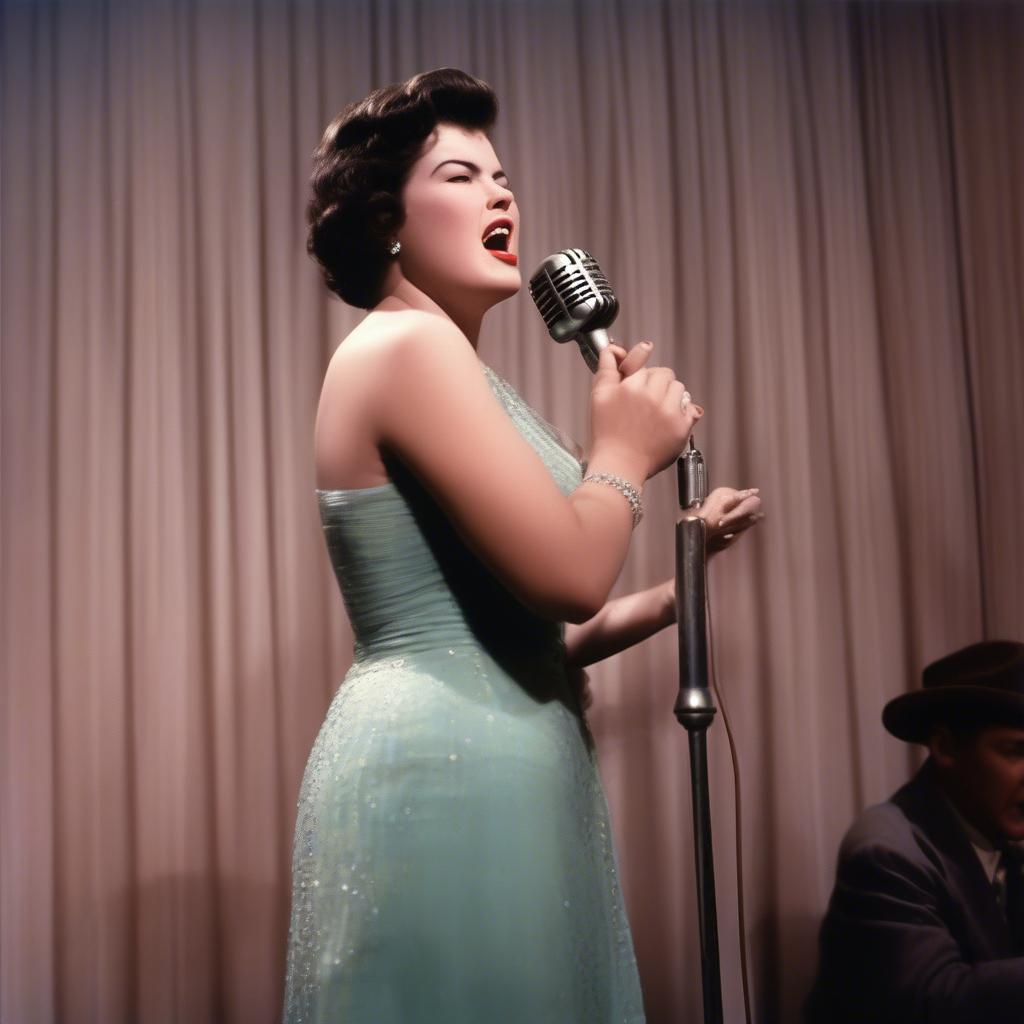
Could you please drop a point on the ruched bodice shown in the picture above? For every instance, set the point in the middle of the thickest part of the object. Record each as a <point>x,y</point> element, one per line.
<point>390,576</point>
<point>453,858</point>
<point>409,582</point>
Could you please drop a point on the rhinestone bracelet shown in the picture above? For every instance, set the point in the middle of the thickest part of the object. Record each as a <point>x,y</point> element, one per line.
<point>624,487</point>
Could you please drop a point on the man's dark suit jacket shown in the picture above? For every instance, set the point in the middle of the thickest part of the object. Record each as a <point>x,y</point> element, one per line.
<point>914,931</point>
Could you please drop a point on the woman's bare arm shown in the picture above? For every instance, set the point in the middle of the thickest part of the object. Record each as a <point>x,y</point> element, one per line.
<point>435,410</point>
<point>620,624</point>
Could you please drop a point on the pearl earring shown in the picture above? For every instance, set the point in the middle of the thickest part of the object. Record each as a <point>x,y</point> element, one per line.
<point>395,248</point>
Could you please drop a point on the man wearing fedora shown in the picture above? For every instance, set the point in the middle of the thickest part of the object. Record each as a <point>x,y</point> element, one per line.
<point>926,920</point>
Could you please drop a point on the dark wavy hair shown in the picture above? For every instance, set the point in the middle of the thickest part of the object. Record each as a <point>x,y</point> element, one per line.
<point>362,164</point>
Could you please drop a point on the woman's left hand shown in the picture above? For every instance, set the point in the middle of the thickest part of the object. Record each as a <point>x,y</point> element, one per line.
<point>579,680</point>
<point>727,512</point>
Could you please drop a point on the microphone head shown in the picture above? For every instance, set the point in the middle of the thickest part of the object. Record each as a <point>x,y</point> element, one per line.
<point>573,295</point>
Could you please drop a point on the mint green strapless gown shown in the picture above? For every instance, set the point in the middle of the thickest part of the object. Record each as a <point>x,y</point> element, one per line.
<point>453,860</point>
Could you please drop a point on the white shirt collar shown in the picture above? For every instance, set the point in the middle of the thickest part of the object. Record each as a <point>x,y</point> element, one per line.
<point>988,854</point>
<point>989,857</point>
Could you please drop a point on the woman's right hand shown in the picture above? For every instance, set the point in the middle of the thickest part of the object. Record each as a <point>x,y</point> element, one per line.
<point>640,420</point>
<point>429,404</point>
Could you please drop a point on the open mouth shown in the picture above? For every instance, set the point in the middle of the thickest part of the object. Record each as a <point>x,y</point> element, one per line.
<point>496,241</point>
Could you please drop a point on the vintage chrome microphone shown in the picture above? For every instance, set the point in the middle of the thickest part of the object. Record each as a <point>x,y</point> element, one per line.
<point>577,304</point>
<point>576,301</point>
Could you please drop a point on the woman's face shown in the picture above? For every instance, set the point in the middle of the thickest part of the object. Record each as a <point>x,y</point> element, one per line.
<point>456,199</point>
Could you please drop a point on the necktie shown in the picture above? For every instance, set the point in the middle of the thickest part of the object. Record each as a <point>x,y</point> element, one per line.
<point>1013,862</point>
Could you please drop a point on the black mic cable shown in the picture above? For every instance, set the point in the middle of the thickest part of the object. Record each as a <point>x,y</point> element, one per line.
<point>741,912</point>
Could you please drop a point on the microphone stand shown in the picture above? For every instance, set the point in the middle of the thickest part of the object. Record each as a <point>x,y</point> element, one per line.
<point>695,709</point>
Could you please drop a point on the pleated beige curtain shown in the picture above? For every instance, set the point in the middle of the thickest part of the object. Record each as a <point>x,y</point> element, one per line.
<point>817,213</point>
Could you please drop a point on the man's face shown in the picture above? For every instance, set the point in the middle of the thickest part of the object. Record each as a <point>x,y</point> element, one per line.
<point>985,778</point>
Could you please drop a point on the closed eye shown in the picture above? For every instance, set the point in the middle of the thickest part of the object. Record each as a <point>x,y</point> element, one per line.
<point>460,177</point>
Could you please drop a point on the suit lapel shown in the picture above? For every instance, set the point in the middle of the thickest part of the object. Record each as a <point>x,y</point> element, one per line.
<point>941,837</point>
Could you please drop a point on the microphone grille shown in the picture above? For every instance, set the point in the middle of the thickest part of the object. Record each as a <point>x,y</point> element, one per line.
<point>546,299</point>
<point>572,294</point>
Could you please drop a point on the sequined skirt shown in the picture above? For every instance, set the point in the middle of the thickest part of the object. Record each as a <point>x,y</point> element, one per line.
<point>453,858</point>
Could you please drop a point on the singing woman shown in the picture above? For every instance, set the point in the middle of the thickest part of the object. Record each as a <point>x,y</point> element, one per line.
<point>453,857</point>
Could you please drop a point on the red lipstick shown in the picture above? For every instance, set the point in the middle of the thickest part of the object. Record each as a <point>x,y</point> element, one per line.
<point>506,257</point>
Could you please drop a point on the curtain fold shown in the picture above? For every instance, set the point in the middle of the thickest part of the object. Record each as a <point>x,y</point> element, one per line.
<point>814,210</point>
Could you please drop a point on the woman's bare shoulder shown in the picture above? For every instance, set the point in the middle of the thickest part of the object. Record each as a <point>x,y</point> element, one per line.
<point>380,333</point>
<point>389,351</point>
<point>382,365</point>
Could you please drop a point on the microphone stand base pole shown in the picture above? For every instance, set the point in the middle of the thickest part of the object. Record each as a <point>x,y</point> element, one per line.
<point>696,720</point>
<point>695,711</point>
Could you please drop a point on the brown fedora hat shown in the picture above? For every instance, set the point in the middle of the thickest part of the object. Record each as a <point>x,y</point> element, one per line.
<point>983,683</point>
